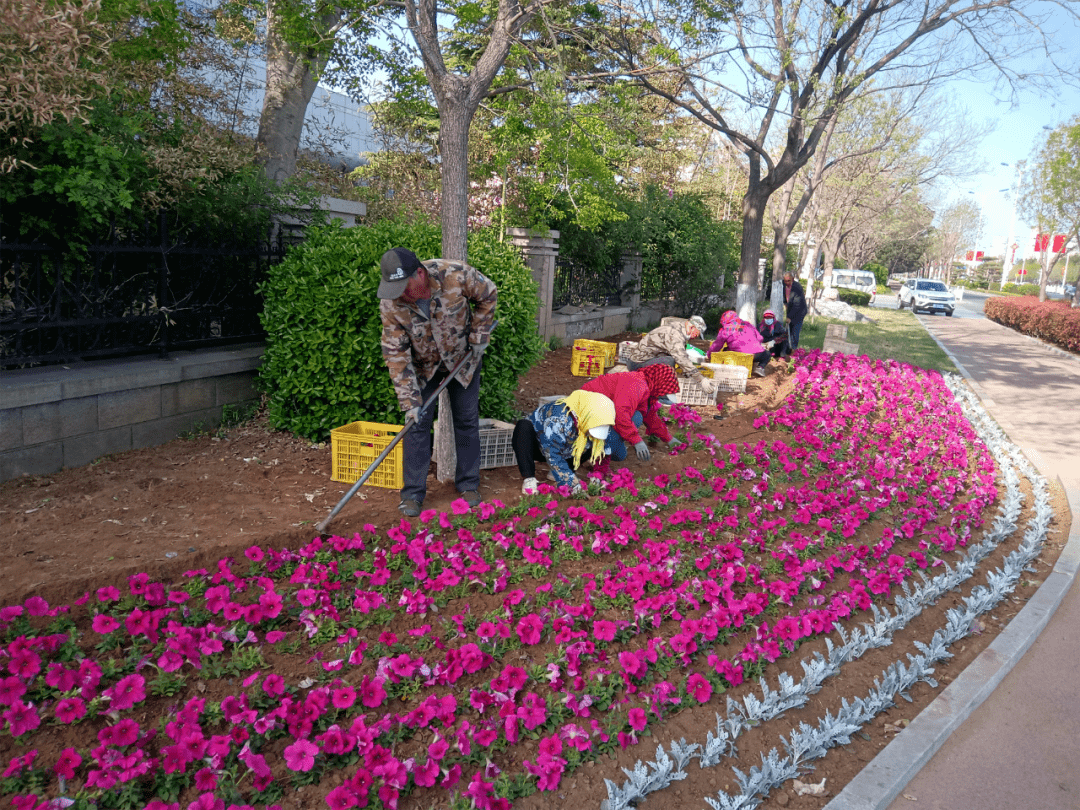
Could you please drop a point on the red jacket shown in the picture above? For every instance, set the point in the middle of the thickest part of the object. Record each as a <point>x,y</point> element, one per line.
<point>630,393</point>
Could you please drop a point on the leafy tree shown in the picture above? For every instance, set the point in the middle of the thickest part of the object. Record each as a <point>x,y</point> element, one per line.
<point>149,133</point>
<point>959,228</point>
<point>47,69</point>
<point>1052,200</point>
<point>685,252</point>
<point>770,76</point>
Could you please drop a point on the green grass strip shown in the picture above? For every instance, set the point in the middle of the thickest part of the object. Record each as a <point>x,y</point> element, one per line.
<point>893,334</point>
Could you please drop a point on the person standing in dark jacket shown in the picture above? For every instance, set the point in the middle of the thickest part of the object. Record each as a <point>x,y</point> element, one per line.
<point>794,309</point>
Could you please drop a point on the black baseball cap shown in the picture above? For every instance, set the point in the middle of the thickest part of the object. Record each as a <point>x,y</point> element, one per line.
<point>398,265</point>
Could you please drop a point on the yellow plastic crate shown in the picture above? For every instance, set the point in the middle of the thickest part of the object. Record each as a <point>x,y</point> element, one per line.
<point>591,358</point>
<point>354,447</point>
<point>734,359</point>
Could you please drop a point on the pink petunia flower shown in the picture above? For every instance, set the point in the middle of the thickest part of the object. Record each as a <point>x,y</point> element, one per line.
<point>604,630</point>
<point>529,628</point>
<point>342,798</point>
<point>205,780</point>
<point>207,801</point>
<point>273,685</point>
<point>344,698</point>
<point>67,763</point>
<point>372,693</point>
<point>637,719</point>
<point>699,687</point>
<point>69,710</point>
<point>11,689</point>
<point>104,624</point>
<point>23,717</point>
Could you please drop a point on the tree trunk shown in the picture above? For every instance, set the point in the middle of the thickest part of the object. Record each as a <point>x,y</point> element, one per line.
<point>753,213</point>
<point>454,121</point>
<point>290,84</point>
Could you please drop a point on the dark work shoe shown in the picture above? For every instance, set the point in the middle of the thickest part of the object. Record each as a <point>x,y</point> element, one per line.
<point>409,508</point>
<point>472,497</point>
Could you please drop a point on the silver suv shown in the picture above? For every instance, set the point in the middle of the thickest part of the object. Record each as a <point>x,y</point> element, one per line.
<point>924,294</point>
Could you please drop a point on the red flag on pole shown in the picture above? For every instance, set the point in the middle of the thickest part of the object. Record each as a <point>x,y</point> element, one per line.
<point>1059,243</point>
<point>1042,242</point>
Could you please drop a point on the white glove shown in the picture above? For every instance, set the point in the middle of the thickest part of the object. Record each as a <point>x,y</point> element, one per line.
<point>709,386</point>
<point>412,415</point>
<point>770,344</point>
<point>578,487</point>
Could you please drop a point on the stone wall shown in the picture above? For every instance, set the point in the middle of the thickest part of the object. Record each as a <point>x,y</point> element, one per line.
<point>67,416</point>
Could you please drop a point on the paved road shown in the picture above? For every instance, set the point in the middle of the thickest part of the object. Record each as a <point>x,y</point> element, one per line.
<point>971,306</point>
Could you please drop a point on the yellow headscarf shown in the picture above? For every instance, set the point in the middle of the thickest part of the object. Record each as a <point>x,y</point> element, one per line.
<point>591,410</point>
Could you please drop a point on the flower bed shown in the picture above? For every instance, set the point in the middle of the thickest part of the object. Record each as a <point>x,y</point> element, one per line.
<point>1052,321</point>
<point>476,657</point>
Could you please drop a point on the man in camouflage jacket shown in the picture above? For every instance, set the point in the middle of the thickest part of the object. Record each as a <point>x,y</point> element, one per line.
<point>435,313</point>
<point>667,344</point>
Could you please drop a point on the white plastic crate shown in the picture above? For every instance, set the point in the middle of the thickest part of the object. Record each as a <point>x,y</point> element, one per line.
<point>690,393</point>
<point>496,448</point>
<point>727,377</point>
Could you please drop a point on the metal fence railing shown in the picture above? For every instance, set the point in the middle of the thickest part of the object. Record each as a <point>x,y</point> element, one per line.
<point>577,283</point>
<point>141,290</point>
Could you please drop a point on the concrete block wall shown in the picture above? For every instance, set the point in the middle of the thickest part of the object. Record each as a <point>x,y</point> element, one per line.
<point>67,416</point>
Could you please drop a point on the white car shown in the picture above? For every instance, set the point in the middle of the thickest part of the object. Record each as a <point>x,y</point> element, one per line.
<point>927,295</point>
<point>861,280</point>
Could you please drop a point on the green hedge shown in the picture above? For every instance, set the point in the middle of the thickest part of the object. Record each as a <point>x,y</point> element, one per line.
<point>853,297</point>
<point>1021,289</point>
<point>323,366</point>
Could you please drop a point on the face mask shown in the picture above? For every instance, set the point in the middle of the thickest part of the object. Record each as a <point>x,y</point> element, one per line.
<point>599,432</point>
<point>768,321</point>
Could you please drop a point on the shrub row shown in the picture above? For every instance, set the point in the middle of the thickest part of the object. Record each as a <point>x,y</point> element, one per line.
<point>1021,289</point>
<point>1052,321</point>
<point>855,298</point>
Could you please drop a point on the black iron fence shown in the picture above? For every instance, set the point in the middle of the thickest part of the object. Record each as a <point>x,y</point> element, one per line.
<point>141,290</point>
<point>577,283</point>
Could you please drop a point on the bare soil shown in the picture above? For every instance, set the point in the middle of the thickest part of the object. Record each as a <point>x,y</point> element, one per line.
<point>186,504</point>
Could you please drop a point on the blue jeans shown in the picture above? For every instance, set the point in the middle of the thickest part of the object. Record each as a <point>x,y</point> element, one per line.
<point>794,328</point>
<point>614,445</point>
<point>416,458</point>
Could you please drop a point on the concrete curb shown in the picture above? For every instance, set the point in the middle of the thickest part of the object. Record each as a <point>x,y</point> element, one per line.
<point>878,784</point>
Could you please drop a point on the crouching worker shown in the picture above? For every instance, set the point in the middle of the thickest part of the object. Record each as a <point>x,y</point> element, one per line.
<point>667,345</point>
<point>736,335</point>
<point>635,394</point>
<point>773,335</point>
<point>560,432</point>
<point>435,313</point>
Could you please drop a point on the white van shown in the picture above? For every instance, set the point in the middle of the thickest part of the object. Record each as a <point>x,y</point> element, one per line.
<point>861,280</point>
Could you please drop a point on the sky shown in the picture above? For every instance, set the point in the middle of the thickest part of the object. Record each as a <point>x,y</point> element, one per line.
<point>1018,132</point>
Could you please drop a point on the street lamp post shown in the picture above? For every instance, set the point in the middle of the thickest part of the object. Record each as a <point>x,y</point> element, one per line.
<point>1007,257</point>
